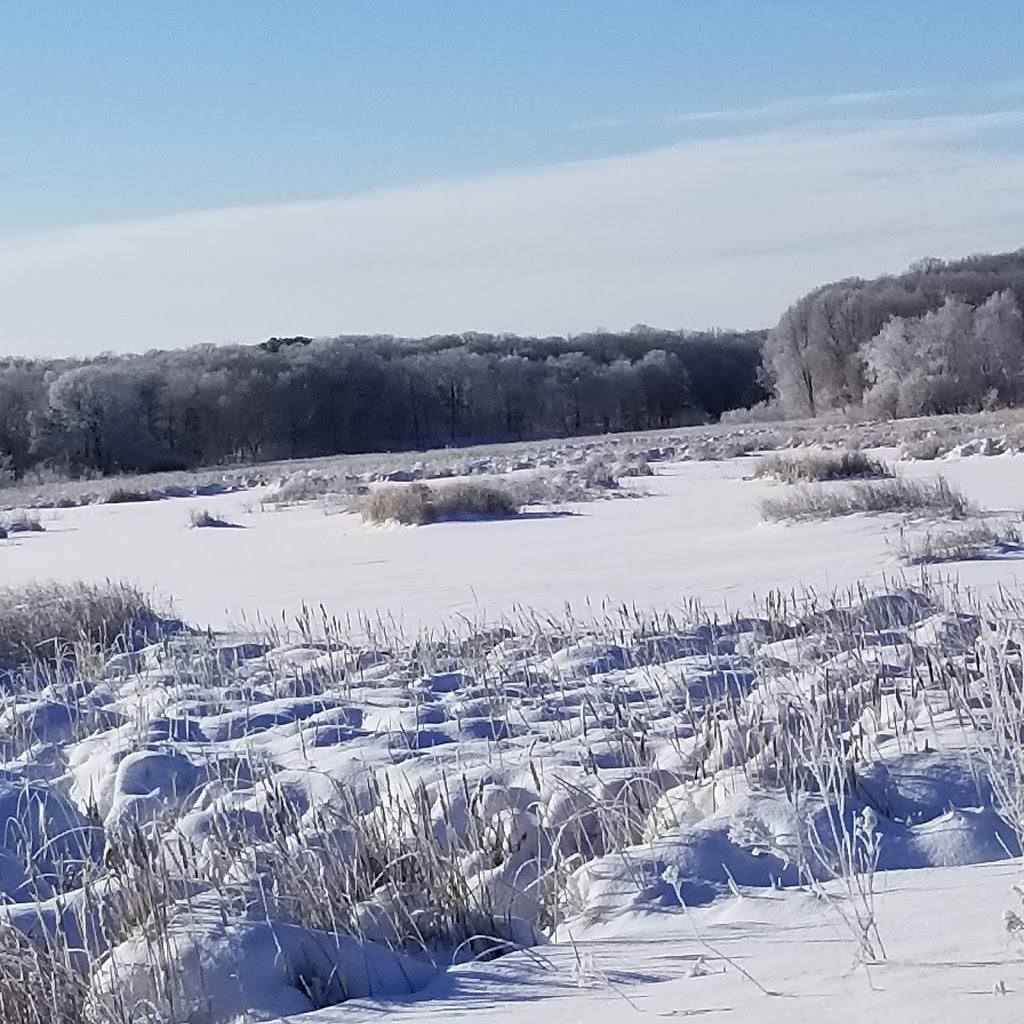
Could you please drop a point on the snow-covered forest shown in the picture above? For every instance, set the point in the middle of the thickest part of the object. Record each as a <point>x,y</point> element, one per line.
<point>942,337</point>
<point>299,397</point>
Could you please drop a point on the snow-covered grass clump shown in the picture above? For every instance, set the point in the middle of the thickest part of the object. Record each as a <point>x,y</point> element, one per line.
<point>418,504</point>
<point>960,542</point>
<point>21,522</point>
<point>44,623</point>
<point>200,518</point>
<point>821,466</point>
<point>907,497</point>
<point>209,828</point>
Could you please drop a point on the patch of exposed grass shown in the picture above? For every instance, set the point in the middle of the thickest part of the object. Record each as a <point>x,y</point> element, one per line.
<point>203,517</point>
<point>418,504</point>
<point>908,497</point>
<point>36,987</point>
<point>822,466</point>
<point>44,620</point>
<point>22,522</point>
<point>126,495</point>
<point>959,543</point>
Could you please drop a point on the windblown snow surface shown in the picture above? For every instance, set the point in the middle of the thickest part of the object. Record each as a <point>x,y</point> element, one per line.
<point>553,818</point>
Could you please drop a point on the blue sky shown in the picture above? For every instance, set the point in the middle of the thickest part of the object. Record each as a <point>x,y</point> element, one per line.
<point>128,116</point>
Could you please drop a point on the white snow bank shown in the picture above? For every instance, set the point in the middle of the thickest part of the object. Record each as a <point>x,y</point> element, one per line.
<point>205,970</point>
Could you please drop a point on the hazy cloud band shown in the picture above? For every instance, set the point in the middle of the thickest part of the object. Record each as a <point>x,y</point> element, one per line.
<point>724,231</point>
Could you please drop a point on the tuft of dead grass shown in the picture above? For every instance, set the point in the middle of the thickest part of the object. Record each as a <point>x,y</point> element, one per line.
<point>42,621</point>
<point>959,543</point>
<point>37,987</point>
<point>22,522</point>
<point>418,504</point>
<point>203,517</point>
<point>821,467</point>
<point>121,495</point>
<point>907,497</point>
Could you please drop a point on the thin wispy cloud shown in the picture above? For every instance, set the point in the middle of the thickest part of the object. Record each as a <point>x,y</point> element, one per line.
<point>811,109</point>
<point>791,106</point>
<point>722,231</point>
<point>800,105</point>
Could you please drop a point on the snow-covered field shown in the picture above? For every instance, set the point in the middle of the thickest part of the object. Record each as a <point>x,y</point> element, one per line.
<point>686,795</point>
<point>699,535</point>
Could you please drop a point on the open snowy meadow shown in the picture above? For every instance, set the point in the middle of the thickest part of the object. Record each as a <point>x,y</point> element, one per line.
<point>597,734</point>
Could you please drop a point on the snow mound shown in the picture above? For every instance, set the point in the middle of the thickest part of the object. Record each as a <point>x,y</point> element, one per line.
<point>209,971</point>
<point>251,827</point>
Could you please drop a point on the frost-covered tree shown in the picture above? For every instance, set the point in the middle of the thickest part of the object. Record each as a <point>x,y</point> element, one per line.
<point>790,356</point>
<point>999,342</point>
<point>950,359</point>
<point>827,347</point>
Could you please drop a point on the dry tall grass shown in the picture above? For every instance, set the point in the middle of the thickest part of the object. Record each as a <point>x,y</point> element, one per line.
<point>441,874</point>
<point>419,504</point>
<point>821,466</point>
<point>203,517</point>
<point>959,543</point>
<point>908,497</point>
<point>45,621</point>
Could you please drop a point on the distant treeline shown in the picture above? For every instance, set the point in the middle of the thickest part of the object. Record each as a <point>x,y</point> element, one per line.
<point>299,397</point>
<point>943,337</point>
